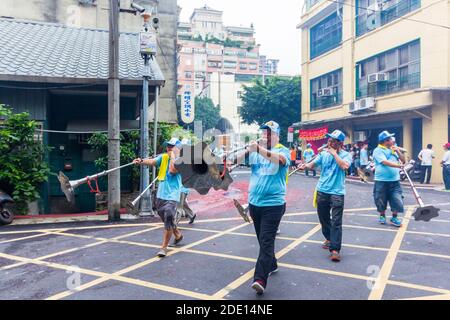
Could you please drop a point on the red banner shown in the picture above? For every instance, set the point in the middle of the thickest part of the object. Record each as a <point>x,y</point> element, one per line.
<point>313,134</point>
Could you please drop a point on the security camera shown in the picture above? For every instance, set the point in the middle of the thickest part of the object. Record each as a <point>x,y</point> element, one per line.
<point>137,7</point>
<point>155,23</point>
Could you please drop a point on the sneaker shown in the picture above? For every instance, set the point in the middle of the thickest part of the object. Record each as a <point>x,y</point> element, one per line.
<point>278,231</point>
<point>395,221</point>
<point>335,256</point>
<point>382,220</point>
<point>162,253</point>
<point>273,271</point>
<point>326,245</point>
<point>192,219</point>
<point>258,286</point>
<point>177,241</point>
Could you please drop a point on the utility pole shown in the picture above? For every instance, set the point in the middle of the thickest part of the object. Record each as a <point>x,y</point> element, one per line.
<point>113,113</point>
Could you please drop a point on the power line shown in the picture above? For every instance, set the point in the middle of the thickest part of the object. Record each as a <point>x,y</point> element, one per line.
<point>401,17</point>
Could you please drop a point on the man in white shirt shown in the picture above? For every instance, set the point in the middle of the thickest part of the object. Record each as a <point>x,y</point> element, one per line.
<point>426,156</point>
<point>446,166</point>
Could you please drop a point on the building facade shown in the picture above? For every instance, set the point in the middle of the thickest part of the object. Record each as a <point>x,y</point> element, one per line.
<point>371,65</point>
<point>268,66</point>
<point>217,60</point>
<point>94,14</point>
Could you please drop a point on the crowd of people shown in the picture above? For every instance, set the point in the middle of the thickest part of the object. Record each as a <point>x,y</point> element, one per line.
<point>361,156</point>
<point>270,162</point>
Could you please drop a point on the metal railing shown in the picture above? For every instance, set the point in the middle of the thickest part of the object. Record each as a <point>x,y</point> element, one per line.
<point>320,103</point>
<point>385,15</point>
<point>377,89</point>
<point>320,47</point>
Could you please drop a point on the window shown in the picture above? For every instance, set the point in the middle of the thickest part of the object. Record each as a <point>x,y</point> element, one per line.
<point>239,94</point>
<point>326,90</point>
<point>401,65</point>
<point>367,18</point>
<point>188,75</point>
<point>326,35</point>
<point>229,64</point>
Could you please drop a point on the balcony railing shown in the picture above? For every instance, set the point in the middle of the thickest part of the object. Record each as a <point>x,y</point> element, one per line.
<point>385,15</point>
<point>320,103</point>
<point>377,89</point>
<point>320,47</point>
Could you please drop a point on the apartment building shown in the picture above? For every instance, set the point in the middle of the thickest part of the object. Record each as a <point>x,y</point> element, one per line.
<point>374,65</point>
<point>215,60</point>
<point>268,66</point>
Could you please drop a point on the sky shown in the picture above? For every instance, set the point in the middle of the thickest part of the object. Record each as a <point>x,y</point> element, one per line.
<point>274,21</point>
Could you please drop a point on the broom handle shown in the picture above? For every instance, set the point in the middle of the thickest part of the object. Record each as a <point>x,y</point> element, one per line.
<point>413,187</point>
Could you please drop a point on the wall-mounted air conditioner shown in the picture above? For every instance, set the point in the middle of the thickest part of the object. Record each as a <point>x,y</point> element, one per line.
<point>389,4</point>
<point>377,77</point>
<point>362,104</point>
<point>359,136</point>
<point>325,92</point>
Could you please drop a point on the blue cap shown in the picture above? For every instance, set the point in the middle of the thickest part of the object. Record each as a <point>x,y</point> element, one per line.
<point>384,136</point>
<point>272,126</point>
<point>174,142</point>
<point>309,145</point>
<point>338,135</point>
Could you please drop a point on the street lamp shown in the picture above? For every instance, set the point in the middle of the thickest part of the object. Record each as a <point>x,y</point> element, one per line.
<point>148,50</point>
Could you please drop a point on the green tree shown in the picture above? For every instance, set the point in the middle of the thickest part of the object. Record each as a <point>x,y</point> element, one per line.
<point>22,160</point>
<point>276,99</point>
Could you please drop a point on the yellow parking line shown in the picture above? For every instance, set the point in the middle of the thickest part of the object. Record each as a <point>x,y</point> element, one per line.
<point>418,287</point>
<point>433,297</point>
<point>118,275</point>
<point>247,276</point>
<point>386,269</point>
<point>33,236</point>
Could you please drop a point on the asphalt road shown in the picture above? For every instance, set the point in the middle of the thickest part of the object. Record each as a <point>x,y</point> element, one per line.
<point>100,260</point>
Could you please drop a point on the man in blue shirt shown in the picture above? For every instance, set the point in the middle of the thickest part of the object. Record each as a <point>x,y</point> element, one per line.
<point>169,192</point>
<point>387,189</point>
<point>334,161</point>
<point>269,163</point>
<point>308,154</point>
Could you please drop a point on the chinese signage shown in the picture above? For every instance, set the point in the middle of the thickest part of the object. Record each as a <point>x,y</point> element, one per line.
<point>148,44</point>
<point>290,136</point>
<point>313,134</point>
<point>187,105</point>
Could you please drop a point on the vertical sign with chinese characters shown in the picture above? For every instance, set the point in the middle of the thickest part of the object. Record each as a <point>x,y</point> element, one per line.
<point>290,137</point>
<point>187,105</point>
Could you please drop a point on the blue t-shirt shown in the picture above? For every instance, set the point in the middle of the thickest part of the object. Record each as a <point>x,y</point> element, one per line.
<point>308,155</point>
<point>364,157</point>
<point>268,180</point>
<point>185,190</point>
<point>170,188</point>
<point>332,177</point>
<point>383,172</point>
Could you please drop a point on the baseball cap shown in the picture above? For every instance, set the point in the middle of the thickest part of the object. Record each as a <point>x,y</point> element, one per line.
<point>272,126</point>
<point>337,134</point>
<point>173,142</point>
<point>309,145</point>
<point>385,135</point>
<point>447,145</point>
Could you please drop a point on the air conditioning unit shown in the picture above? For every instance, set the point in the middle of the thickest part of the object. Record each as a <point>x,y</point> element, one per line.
<point>326,92</point>
<point>389,4</point>
<point>373,8</point>
<point>359,136</point>
<point>362,104</point>
<point>377,77</point>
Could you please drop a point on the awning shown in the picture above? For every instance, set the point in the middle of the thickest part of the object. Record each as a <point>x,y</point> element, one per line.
<point>374,114</point>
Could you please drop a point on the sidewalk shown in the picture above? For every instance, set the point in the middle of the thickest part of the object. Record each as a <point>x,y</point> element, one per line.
<point>70,217</point>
